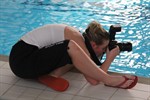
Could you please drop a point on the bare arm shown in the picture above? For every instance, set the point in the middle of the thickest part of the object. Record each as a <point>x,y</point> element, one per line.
<point>73,34</point>
<point>110,56</point>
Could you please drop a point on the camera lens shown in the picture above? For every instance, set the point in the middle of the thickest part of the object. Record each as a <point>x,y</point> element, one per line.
<point>125,46</point>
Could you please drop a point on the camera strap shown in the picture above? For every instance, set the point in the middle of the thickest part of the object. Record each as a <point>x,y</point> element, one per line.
<point>91,51</point>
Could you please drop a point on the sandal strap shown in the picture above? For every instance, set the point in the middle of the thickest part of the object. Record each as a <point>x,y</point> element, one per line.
<point>126,79</point>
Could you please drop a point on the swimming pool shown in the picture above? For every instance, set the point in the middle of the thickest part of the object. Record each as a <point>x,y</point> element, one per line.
<point>20,16</point>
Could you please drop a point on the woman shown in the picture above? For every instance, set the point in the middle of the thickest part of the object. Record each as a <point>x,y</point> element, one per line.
<point>48,48</point>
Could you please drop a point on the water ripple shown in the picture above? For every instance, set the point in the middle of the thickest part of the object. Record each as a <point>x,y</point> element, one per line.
<point>21,16</point>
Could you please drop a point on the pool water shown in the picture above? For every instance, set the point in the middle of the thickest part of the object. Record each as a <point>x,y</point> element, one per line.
<point>20,16</point>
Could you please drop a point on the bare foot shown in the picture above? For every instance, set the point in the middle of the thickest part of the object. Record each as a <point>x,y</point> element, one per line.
<point>122,81</point>
<point>128,82</point>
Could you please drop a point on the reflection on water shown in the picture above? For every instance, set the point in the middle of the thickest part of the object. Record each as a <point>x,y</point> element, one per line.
<point>21,16</point>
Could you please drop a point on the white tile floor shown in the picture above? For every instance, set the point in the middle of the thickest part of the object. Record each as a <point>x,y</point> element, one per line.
<point>14,88</point>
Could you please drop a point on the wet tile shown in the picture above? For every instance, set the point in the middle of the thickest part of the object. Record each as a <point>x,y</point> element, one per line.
<point>8,79</point>
<point>98,92</point>
<point>47,95</point>
<point>131,94</point>
<point>6,72</point>
<point>14,92</point>
<point>30,83</point>
<point>29,94</point>
<point>64,97</point>
<point>14,88</point>
<point>80,98</point>
<point>2,63</point>
<point>126,98</point>
<point>6,66</point>
<point>142,87</point>
<point>4,88</point>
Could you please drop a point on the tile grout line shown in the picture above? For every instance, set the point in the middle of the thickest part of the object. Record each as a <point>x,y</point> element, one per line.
<point>8,88</point>
<point>39,95</point>
<point>43,90</point>
<point>79,91</point>
<point>113,94</point>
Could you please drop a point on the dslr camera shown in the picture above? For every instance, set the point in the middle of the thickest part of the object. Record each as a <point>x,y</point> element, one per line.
<point>112,44</point>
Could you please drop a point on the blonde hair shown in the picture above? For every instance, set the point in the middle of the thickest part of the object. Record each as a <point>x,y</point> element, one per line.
<point>96,33</point>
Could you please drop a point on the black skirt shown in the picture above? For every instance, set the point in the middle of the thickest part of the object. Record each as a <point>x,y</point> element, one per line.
<point>28,61</point>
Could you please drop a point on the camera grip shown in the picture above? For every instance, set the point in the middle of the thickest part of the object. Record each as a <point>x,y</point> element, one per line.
<point>112,45</point>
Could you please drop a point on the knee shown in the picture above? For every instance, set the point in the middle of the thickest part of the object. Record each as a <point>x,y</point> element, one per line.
<point>94,83</point>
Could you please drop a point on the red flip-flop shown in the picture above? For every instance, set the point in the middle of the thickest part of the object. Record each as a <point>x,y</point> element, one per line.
<point>126,79</point>
<point>56,83</point>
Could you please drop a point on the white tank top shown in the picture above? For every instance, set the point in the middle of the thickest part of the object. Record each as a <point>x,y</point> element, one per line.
<point>45,35</point>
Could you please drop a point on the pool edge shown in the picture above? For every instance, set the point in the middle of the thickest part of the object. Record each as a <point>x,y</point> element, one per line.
<point>4,58</point>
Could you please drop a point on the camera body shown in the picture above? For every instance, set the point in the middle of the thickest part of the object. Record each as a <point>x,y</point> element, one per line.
<point>112,44</point>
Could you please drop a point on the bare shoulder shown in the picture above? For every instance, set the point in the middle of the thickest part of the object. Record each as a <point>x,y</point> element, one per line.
<point>71,32</point>
<point>74,34</point>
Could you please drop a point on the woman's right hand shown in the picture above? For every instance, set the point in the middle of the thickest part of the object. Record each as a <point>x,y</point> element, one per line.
<point>111,54</point>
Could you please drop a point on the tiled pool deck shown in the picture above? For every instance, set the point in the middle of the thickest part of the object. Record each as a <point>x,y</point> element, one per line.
<point>14,88</point>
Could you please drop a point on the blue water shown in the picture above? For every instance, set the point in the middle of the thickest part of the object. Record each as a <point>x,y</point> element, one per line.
<point>20,16</point>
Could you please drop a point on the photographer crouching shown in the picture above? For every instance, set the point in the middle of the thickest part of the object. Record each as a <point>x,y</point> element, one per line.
<point>98,41</point>
<point>43,53</point>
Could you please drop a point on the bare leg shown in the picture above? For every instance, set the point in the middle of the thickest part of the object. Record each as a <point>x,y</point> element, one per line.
<point>91,80</point>
<point>84,64</point>
<point>62,70</point>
